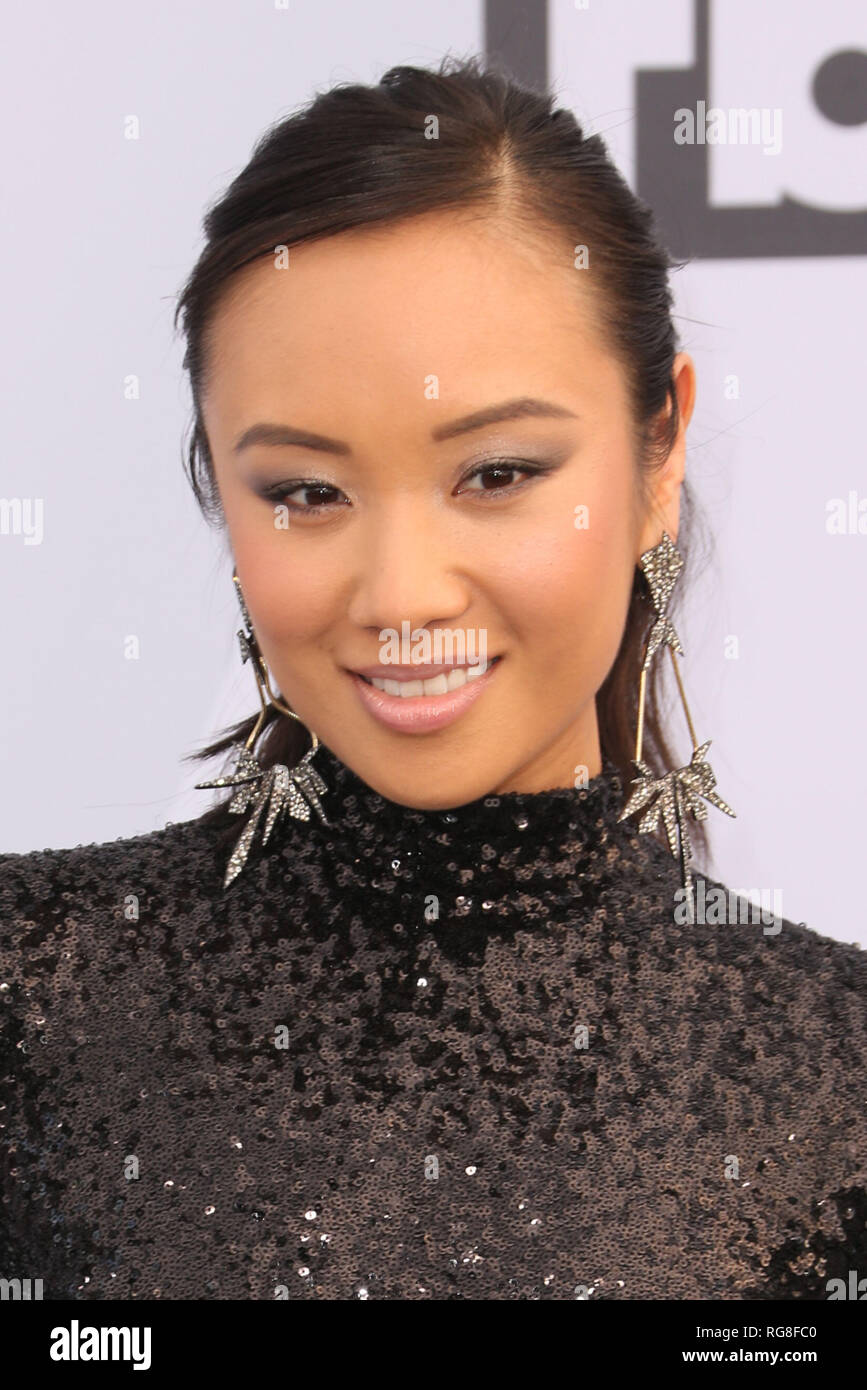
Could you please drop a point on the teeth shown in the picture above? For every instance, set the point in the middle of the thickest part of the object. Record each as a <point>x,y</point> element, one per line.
<point>437,685</point>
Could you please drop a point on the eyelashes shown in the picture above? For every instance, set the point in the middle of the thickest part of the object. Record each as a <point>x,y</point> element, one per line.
<point>282,492</point>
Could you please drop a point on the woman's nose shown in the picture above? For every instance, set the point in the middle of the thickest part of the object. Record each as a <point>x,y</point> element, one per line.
<point>406,568</point>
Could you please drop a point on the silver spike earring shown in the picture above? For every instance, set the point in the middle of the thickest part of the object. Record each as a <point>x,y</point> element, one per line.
<point>278,787</point>
<point>678,793</point>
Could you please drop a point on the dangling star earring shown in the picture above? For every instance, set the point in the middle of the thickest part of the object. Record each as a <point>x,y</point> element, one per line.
<point>680,791</point>
<point>281,787</point>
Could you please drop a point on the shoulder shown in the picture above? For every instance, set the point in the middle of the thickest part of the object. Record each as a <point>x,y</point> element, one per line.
<point>782,979</point>
<point>74,921</point>
<point>47,886</point>
<point>749,926</point>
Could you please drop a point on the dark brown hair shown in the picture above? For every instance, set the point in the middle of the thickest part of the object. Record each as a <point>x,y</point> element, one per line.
<point>357,155</point>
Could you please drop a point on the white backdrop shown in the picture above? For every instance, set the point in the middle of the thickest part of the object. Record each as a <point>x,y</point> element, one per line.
<point>99,232</point>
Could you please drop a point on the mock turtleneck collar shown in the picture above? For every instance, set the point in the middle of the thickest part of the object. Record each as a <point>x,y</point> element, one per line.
<point>518,860</point>
<point>511,818</point>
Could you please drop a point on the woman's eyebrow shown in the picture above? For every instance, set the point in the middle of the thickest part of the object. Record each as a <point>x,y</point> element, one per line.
<point>518,408</point>
<point>521,407</point>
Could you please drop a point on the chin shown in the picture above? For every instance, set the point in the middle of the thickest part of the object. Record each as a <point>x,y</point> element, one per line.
<point>425,782</point>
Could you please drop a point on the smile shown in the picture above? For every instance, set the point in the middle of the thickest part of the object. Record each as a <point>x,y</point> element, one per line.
<point>437,685</point>
<point>418,706</point>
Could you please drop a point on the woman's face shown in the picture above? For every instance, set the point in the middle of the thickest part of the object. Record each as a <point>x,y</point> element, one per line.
<point>389,355</point>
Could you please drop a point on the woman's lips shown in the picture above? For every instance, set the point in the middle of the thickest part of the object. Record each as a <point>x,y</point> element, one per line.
<point>421,713</point>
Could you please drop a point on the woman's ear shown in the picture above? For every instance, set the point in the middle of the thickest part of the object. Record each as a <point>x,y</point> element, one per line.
<point>663,509</point>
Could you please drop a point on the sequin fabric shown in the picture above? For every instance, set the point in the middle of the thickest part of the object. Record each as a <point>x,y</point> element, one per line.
<point>420,1055</point>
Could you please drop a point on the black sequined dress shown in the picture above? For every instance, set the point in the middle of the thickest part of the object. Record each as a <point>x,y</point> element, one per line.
<point>420,1055</point>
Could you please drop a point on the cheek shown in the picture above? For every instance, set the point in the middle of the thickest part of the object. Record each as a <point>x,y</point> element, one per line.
<point>291,595</point>
<point>289,581</point>
<point>566,585</point>
<point>568,613</point>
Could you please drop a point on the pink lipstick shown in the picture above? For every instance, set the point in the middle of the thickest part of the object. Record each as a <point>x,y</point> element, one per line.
<point>422,713</point>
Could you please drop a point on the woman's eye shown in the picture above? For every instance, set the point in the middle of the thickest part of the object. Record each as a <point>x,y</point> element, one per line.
<point>500,475</point>
<point>313,497</point>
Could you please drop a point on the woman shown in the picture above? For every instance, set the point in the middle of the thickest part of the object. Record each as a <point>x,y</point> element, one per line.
<point>432,1019</point>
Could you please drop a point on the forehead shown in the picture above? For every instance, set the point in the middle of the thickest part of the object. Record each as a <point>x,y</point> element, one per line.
<point>478,305</point>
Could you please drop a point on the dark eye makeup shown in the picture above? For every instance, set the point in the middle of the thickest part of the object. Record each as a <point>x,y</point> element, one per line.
<point>495,468</point>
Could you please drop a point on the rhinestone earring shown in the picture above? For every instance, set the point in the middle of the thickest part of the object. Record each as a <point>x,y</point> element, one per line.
<point>678,793</point>
<point>281,788</point>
